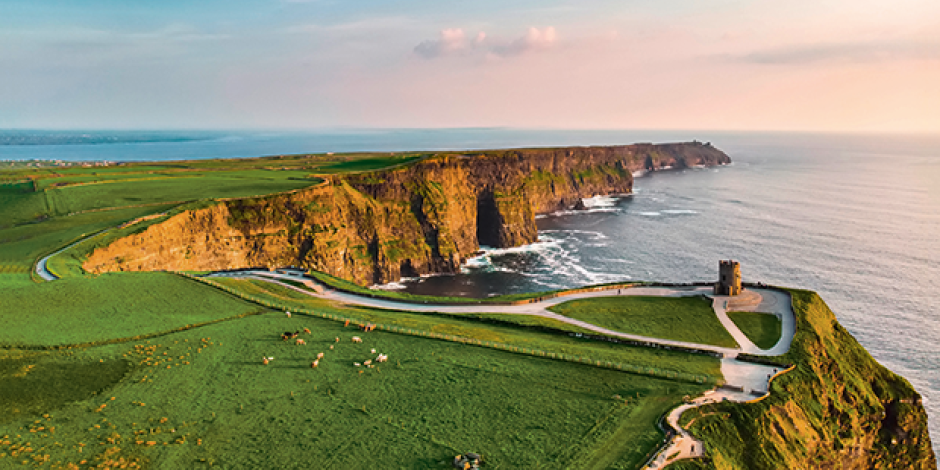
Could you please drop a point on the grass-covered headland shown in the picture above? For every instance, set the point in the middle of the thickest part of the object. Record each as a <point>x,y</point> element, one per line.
<point>838,408</point>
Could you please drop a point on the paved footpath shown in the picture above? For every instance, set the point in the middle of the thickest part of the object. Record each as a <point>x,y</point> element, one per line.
<point>744,380</point>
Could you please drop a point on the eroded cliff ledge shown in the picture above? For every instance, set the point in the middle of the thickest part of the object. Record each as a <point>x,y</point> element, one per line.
<point>377,227</point>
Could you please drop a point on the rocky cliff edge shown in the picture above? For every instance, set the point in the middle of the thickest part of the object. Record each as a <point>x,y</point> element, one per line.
<point>377,227</point>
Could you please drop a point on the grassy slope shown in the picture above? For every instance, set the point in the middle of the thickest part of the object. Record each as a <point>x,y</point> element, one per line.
<point>683,319</point>
<point>762,329</point>
<point>213,403</point>
<point>837,408</point>
<point>505,333</point>
<point>82,310</point>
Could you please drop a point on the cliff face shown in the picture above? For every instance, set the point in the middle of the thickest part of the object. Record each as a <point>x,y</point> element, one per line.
<point>838,409</point>
<point>377,227</point>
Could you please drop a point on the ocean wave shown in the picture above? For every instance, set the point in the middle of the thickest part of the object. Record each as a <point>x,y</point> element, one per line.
<point>599,201</point>
<point>583,211</point>
<point>593,234</point>
<point>679,211</point>
<point>389,286</point>
<point>650,213</point>
<point>639,173</point>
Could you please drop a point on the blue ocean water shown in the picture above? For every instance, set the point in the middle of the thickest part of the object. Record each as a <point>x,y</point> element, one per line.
<point>856,218</point>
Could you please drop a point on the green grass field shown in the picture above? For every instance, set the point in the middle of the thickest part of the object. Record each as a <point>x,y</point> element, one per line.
<point>155,370</point>
<point>510,332</point>
<point>106,307</point>
<point>682,319</point>
<point>202,398</point>
<point>763,329</point>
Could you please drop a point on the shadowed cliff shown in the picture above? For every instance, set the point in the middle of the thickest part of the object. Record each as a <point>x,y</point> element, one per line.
<point>377,227</point>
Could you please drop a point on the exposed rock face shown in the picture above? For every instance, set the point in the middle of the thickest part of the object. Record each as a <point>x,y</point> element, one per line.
<point>380,226</point>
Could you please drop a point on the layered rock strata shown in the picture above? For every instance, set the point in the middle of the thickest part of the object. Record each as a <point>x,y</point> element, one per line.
<point>380,226</point>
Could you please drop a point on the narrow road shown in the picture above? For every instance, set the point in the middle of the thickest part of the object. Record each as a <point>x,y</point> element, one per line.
<point>744,380</point>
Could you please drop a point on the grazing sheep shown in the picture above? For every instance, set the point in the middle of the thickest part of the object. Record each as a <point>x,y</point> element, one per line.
<point>319,356</point>
<point>337,340</point>
<point>331,346</point>
<point>307,330</point>
<point>381,358</point>
<point>288,314</point>
<point>369,361</point>
<point>356,339</point>
<point>265,361</point>
<point>356,364</point>
<point>373,350</point>
<point>300,341</point>
<point>314,364</point>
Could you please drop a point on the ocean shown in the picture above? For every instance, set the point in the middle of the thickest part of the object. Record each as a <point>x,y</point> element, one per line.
<point>853,217</point>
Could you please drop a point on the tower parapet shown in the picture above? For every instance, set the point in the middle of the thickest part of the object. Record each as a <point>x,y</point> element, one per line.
<point>729,278</point>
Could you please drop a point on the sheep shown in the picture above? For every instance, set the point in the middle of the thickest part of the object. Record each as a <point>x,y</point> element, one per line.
<point>315,364</point>
<point>265,361</point>
<point>319,356</point>
<point>356,339</point>
<point>301,342</point>
<point>356,364</point>
<point>346,324</point>
<point>381,358</point>
<point>368,362</point>
<point>288,314</point>
<point>373,350</point>
<point>307,330</point>
<point>337,340</point>
<point>331,347</point>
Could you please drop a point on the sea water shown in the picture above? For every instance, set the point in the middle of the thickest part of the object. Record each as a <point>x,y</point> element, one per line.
<point>855,218</point>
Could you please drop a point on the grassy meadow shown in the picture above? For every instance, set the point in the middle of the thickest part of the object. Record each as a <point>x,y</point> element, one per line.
<point>678,318</point>
<point>154,370</point>
<point>763,329</point>
<point>202,398</point>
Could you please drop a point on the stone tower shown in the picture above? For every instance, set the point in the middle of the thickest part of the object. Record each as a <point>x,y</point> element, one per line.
<point>729,278</point>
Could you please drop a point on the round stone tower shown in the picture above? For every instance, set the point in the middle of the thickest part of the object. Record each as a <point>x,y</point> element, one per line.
<point>729,278</point>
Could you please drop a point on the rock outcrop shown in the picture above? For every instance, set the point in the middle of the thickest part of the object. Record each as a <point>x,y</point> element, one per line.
<point>380,226</point>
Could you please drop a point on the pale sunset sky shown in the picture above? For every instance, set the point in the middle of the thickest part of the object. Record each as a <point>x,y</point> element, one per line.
<point>809,65</point>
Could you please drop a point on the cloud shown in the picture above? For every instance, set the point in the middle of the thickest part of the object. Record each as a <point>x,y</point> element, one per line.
<point>451,42</point>
<point>533,40</point>
<point>455,42</point>
<point>844,53</point>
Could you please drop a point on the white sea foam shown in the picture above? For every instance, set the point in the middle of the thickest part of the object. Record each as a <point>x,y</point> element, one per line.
<point>679,211</point>
<point>639,173</point>
<point>599,201</point>
<point>389,286</point>
<point>650,214</point>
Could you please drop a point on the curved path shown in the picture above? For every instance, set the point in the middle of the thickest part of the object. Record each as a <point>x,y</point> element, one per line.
<point>744,380</point>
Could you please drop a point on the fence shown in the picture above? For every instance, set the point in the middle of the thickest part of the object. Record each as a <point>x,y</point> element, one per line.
<point>620,366</point>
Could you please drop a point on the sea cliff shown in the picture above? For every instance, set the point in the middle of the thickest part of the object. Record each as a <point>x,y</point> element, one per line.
<point>376,227</point>
<point>837,409</point>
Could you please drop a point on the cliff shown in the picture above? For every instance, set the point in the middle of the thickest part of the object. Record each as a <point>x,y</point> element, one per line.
<point>838,409</point>
<point>380,226</point>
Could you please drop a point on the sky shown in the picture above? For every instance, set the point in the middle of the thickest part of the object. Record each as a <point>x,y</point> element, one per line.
<point>795,65</point>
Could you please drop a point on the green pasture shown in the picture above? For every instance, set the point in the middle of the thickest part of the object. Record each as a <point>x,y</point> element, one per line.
<point>763,329</point>
<point>202,398</point>
<point>22,245</point>
<point>102,308</point>
<point>688,319</point>
<point>510,329</point>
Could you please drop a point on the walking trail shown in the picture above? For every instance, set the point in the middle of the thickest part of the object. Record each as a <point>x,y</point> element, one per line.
<point>744,381</point>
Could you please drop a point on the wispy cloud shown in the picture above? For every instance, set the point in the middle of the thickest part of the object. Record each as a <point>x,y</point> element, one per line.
<point>844,53</point>
<point>455,42</point>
